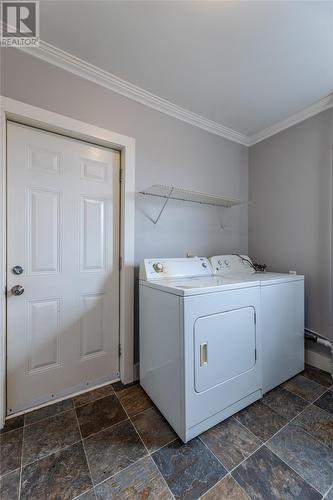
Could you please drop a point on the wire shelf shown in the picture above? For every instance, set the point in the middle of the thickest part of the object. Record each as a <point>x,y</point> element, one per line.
<point>180,194</point>
<point>176,193</point>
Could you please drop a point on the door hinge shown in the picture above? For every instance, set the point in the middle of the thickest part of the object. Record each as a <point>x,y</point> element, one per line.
<point>119,349</point>
<point>121,172</point>
<point>120,263</point>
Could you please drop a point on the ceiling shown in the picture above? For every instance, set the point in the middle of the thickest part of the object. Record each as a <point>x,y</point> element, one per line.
<point>246,65</point>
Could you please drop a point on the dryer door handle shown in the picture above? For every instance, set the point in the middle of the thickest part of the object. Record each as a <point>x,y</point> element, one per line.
<point>204,353</point>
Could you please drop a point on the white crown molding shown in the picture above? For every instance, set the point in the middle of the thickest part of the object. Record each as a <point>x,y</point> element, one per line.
<point>81,68</point>
<point>314,109</point>
<point>71,63</point>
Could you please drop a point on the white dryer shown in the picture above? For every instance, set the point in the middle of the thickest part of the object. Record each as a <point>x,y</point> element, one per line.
<point>200,343</point>
<point>282,316</point>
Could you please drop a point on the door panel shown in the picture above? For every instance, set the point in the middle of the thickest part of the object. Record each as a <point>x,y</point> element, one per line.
<point>43,339</point>
<point>93,234</point>
<point>44,160</point>
<point>63,229</point>
<point>43,230</point>
<point>92,321</point>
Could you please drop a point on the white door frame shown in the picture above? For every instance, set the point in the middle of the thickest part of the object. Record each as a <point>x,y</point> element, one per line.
<point>53,122</point>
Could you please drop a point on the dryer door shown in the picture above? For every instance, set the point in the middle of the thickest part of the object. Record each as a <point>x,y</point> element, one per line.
<point>222,372</point>
<point>224,347</point>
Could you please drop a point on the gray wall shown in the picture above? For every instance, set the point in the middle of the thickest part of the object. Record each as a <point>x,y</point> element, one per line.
<point>167,151</point>
<point>290,181</point>
<point>290,221</point>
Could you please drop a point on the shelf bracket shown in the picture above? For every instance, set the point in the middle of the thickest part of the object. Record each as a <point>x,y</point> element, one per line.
<point>221,219</point>
<point>162,209</point>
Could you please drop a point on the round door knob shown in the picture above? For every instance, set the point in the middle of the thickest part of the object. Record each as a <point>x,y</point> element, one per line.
<point>17,290</point>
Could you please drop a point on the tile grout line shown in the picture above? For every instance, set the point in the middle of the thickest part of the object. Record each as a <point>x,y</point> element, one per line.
<point>94,433</point>
<point>12,430</point>
<point>106,428</point>
<point>93,400</point>
<point>60,400</point>
<point>248,430</point>
<point>84,493</point>
<point>56,414</point>
<point>271,437</point>
<point>227,470</point>
<point>2,476</point>
<point>85,454</point>
<point>303,399</point>
<point>264,443</point>
<point>241,487</point>
<point>223,465</point>
<point>290,421</point>
<point>327,389</point>
<point>58,450</point>
<point>328,491</point>
<point>143,411</point>
<point>166,444</point>
<point>233,468</point>
<point>47,418</point>
<point>211,451</point>
<point>262,400</point>
<point>21,466</point>
<point>162,477</point>
<point>149,454</point>
<point>298,473</point>
<point>320,385</point>
<point>65,411</point>
<point>52,453</point>
<point>129,418</point>
<point>331,378</point>
<point>322,444</point>
<point>119,471</point>
<point>228,475</point>
<point>27,412</point>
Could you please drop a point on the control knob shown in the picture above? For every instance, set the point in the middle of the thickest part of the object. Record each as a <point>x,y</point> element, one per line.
<point>158,267</point>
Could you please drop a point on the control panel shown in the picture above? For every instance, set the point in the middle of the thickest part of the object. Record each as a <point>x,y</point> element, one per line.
<point>231,264</point>
<point>155,269</point>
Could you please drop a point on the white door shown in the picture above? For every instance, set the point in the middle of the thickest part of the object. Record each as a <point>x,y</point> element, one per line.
<point>63,230</point>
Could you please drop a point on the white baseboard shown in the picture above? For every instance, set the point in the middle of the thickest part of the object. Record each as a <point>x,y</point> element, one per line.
<point>318,360</point>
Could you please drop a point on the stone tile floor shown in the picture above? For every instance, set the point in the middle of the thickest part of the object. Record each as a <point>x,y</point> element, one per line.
<point>112,442</point>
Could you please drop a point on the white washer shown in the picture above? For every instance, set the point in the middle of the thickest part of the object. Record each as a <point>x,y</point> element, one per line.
<point>282,316</point>
<point>200,343</point>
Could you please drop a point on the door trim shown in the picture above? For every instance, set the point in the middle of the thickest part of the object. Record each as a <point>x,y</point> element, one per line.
<point>26,114</point>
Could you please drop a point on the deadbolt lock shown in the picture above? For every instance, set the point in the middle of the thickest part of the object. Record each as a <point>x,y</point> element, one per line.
<point>17,269</point>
